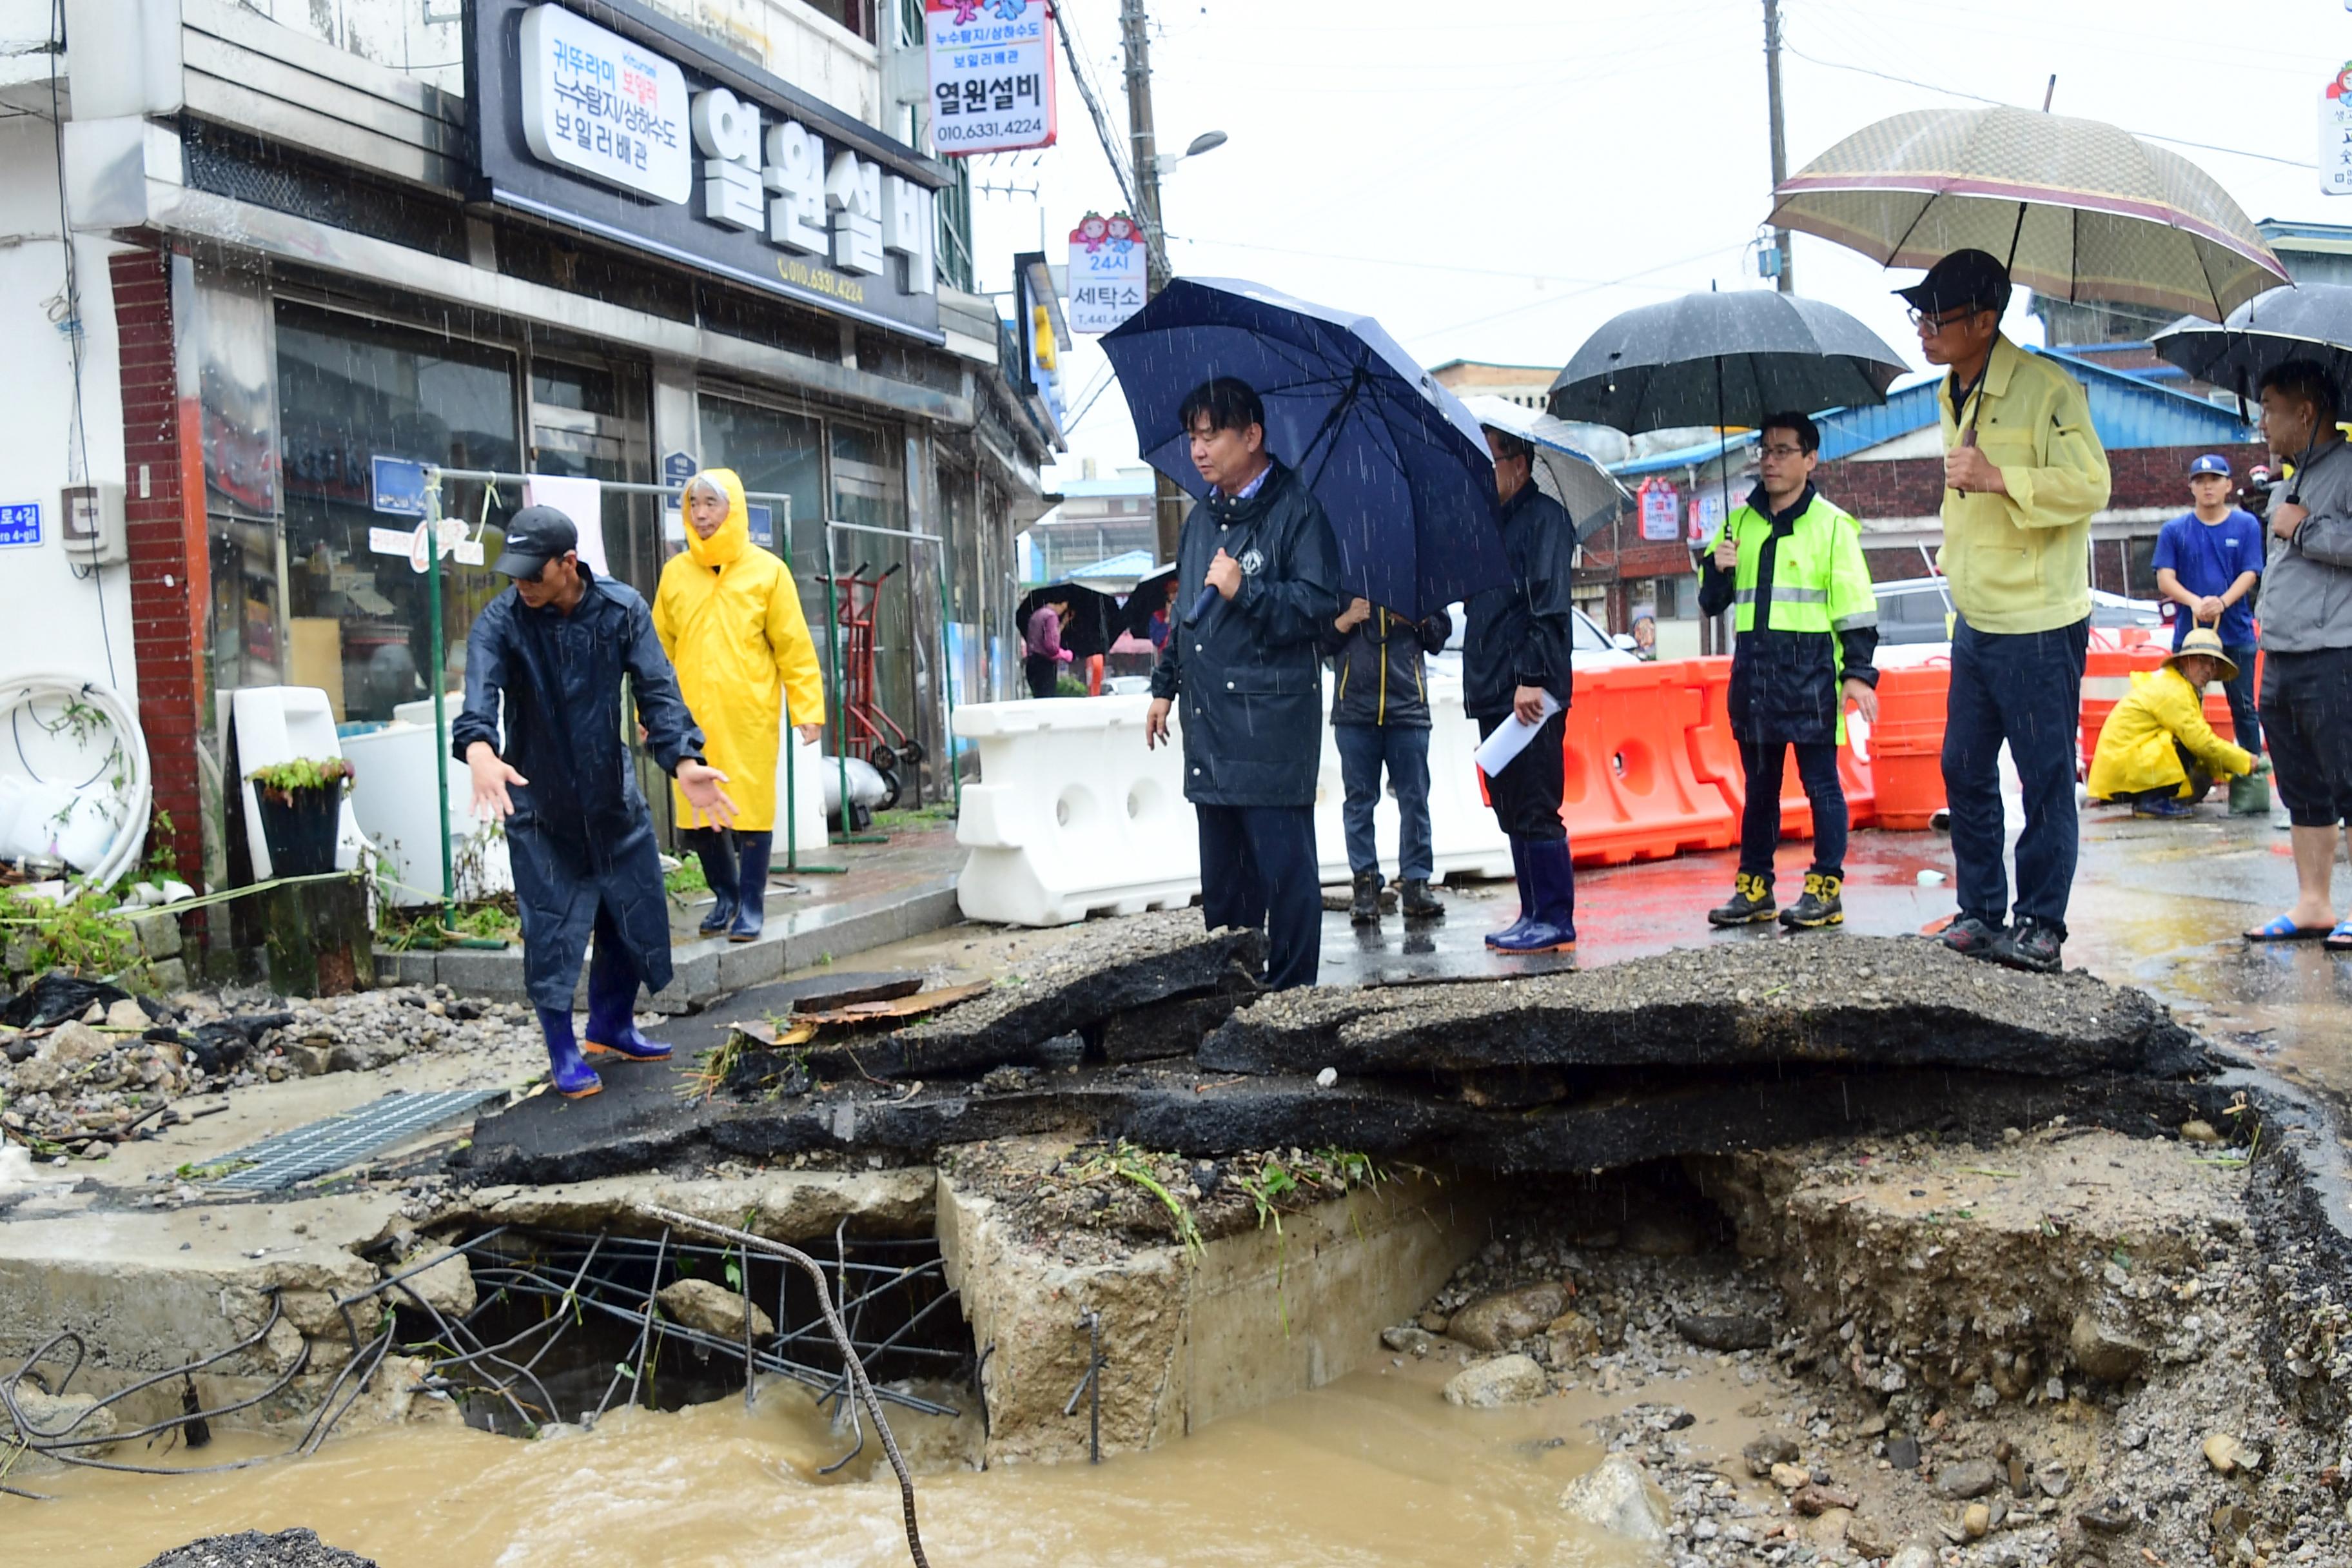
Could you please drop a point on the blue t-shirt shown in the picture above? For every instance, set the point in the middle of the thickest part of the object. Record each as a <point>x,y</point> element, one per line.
<point>2208,558</point>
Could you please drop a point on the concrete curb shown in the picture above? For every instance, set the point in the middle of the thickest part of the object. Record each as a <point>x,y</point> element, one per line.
<point>707,970</point>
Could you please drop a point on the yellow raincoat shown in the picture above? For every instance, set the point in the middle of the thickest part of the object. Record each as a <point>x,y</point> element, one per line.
<point>728,615</point>
<point>2135,747</point>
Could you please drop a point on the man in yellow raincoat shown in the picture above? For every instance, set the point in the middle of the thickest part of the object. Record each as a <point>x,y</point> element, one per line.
<point>728,615</point>
<point>2156,750</point>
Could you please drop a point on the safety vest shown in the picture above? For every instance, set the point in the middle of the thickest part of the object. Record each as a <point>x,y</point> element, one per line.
<point>1819,580</point>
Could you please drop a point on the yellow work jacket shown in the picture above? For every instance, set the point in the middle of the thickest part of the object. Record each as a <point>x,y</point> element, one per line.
<point>2135,747</point>
<point>729,614</point>
<point>2021,562</point>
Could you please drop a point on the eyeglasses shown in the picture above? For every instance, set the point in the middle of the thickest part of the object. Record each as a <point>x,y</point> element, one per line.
<point>1782,451</point>
<point>1935,321</point>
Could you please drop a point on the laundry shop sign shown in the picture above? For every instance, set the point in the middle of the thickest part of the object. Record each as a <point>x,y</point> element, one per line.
<point>618,122</point>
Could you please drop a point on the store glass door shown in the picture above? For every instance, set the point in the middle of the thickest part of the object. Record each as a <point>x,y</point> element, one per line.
<point>588,421</point>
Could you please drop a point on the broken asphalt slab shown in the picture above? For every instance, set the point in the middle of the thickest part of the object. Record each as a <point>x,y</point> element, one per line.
<point>1880,1002</point>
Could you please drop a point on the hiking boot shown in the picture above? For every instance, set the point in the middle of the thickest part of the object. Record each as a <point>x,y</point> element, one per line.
<point>1972,937</point>
<point>1417,901</point>
<point>1364,909</point>
<point>1751,901</point>
<point>2030,945</point>
<point>2163,807</point>
<point>1821,905</point>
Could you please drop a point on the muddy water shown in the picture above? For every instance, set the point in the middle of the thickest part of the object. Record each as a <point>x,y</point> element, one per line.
<point>1374,1470</point>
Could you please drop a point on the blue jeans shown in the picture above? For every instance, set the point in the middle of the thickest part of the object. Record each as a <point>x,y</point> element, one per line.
<point>1258,872</point>
<point>2244,713</point>
<point>2025,687</point>
<point>1364,750</point>
<point>1760,822</point>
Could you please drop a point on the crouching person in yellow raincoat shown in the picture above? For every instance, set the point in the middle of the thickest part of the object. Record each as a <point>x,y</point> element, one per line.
<point>728,615</point>
<point>2156,750</point>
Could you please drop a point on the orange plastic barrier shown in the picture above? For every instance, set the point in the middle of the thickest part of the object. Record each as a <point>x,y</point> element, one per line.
<point>1715,759</point>
<point>1907,745</point>
<point>1631,792</point>
<point>2106,680</point>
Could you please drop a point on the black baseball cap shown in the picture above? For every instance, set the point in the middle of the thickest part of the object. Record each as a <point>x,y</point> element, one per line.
<point>535,536</point>
<point>1962,278</point>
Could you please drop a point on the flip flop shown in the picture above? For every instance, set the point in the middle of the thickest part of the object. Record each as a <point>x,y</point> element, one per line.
<point>2284,929</point>
<point>2340,939</point>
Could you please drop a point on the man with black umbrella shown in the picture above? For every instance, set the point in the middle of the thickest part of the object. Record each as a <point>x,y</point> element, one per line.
<point>1261,557</point>
<point>1515,664</point>
<point>545,659</point>
<point>2023,472</point>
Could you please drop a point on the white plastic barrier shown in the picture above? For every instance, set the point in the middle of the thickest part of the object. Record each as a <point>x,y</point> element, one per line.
<point>1073,816</point>
<point>395,800</point>
<point>283,724</point>
<point>1464,837</point>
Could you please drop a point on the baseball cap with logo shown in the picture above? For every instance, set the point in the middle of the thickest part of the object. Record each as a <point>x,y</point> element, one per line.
<point>2211,463</point>
<point>535,536</point>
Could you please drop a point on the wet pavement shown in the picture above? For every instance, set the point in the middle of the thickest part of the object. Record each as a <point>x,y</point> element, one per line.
<point>2160,905</point>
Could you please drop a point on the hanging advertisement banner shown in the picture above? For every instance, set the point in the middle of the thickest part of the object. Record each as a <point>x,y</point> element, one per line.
<point>1108,276</point>
<point>2335,133</point>
<point>991,75</point>
<point>1661,507</point>
<point>1706,515</point>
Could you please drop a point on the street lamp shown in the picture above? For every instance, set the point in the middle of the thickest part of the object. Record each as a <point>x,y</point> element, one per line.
<point>1206,141</point>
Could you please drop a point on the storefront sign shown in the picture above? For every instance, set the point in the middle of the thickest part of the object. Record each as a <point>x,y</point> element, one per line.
<point>399,486</point>
<point>651,136</point>
<point>1706,515</point>
<point>1661,509</point>
<point>20,523</point>
<point>2335,134</point>
<point>991,75</point>
<point>676,467</point>
<point>1107,272</point>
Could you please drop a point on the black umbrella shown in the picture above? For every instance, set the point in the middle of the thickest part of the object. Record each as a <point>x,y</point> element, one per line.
<point>1718,359</point>
<point>2310,321</point>
<point>1091,626</point>
<point>1150,596</point>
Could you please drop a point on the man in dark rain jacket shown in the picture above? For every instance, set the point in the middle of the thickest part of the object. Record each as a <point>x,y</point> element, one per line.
<point>554,646</point>
<point>1515,656</point>
<point>1259,571</point>
<point>1802,646</point>
<point>1380,719</point>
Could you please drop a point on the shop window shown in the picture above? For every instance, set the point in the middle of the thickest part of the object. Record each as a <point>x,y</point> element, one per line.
<point>351,390</point>
<point>589,422</point>
<point>858,16</point>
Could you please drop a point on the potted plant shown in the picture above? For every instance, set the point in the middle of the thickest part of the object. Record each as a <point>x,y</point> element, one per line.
<point>301,811</point>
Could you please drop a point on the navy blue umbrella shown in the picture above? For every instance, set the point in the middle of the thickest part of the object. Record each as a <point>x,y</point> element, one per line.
<point>1398,463</point>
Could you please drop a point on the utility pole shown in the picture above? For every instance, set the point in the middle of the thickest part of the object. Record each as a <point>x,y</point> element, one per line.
<point>1788,280</point>
<point>1143,148</point>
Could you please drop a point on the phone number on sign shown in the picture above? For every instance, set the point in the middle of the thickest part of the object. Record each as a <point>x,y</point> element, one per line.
<point>988,132</point>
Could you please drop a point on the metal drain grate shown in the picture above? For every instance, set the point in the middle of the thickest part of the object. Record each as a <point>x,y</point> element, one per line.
<point>321,1146</point>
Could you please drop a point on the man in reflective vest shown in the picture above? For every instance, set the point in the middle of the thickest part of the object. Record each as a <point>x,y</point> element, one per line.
<point>1807,626</point>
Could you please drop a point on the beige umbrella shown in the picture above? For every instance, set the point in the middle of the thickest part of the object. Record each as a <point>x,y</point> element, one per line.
<point>2083,210</point>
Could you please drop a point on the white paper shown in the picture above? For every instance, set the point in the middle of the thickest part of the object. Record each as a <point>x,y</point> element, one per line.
<point>1511,737</point>
<point>581,500</point>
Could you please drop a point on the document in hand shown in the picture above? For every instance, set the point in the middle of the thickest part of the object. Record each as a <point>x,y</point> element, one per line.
<point>1511,737</point>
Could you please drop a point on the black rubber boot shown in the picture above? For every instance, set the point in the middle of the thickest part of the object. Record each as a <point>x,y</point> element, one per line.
<point>751,886</point>
<point>1364,909</point>
<point>1417,901</point>
<point>1820,906</point>
<point>1751,901</point>
<point>717,858</point>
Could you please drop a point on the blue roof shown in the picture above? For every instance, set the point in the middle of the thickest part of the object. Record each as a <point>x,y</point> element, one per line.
<point>1138,483</point>
<point>1681,457</point>
<point>2126,409</point>
<point>1126,563</point>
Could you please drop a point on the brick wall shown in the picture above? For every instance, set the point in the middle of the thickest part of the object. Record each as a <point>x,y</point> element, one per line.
<point>170,569</point>
<point>1914,486</point>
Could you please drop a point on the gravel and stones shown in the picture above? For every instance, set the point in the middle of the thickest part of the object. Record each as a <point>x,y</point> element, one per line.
<point>251,1549</point>
<point>1879,1001</point>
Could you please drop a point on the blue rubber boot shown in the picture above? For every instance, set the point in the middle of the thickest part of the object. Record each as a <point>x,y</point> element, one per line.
<point>752,884</point>
<point>612,1007</point>
<point>574,1078</point>
<point>1551,886</point>
<point>1496,939</point>
<point>717,857</point>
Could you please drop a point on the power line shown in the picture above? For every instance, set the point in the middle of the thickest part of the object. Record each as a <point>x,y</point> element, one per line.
<point>2003,103</point>
<point>1095,110</point>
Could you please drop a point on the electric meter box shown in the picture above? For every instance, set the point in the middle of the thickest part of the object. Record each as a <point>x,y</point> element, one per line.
<point>90,524</point>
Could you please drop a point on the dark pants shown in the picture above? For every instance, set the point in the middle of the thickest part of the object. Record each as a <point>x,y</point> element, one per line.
<point>2025,687</point>
<point>2201,783</point>
<point>1526,794</point>
<point>1258,872</point>
<point>611,980</point>
<point>1044,673</point>
<point>2307,698</point>
<point>1404,751</point>
<point>1759,825</point>
<point>2245,715</point>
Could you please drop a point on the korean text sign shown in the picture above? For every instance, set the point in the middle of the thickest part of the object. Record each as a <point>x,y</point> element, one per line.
<point>991,75</point>
<point>1107,272</point>
<point>599,105</point>
<point>1660,513</point>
